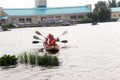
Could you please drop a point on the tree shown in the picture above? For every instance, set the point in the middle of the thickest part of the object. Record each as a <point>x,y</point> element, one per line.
<point>102,10</point>
<point>112,4</point>
<point>118,4</point>
<point>94,16</point>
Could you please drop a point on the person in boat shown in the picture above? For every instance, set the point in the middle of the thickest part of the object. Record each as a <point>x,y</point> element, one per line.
<point>50,40</point>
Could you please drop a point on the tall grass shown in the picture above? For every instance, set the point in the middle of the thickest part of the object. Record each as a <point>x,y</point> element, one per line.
<point>47,60</point>
<point>25,58</point>
<point>32,59</point>
<point>40,60</point>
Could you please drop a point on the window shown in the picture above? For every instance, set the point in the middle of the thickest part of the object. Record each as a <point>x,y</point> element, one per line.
<point>43,18</point>
<point>21,20</point>
<point>28,20</point>
<point>3,21</point>
<point>80,17</point>
<point>14,20</point>
<point>58,17</point>
<point>114,15</point>
<point>50,17</point>
<point>72,17</point>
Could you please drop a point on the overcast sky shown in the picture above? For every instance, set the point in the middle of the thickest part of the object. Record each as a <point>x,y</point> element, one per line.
<point>50,3</point>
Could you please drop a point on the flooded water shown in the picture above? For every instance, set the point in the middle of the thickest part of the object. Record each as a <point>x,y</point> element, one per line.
<point>92,53</point>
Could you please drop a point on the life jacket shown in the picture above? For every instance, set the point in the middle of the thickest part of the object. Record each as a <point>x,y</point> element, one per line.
<point>50,41</point>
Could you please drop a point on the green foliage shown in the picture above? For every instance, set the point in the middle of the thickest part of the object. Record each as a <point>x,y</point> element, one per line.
<point>94,16</point>
<point>8,60</point>
<point>32,59</point>
<point>112,3</point>
<point>102,10</point>
<point>25,58</point>
<point>86,20</point>
<point>104,14</point>
<point>21,59</point>
<point>118,4</point>
<point>47,60</point>
<point>6,26</point>
<point>35,59</point>
<point>55,61</point>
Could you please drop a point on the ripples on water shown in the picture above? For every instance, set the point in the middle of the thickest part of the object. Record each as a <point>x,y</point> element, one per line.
<point>92,53</point>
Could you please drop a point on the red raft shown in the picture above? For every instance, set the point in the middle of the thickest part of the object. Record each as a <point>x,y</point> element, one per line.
<point>52,49</point>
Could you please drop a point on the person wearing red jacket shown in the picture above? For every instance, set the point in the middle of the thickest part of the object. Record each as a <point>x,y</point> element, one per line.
<point>50,40</point>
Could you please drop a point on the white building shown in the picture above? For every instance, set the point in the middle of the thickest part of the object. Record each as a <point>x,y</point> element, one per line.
<point>115,13</point>
<point>42,15</point>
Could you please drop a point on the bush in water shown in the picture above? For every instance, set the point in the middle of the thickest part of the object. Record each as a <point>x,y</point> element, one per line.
<point>8,60</point>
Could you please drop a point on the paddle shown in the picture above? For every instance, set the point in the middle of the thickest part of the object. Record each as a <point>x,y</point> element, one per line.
<point>63,41</point>
<point>63,33</point>
<point>36,37</point>
<point>37,32</point>
<point>35,42</point>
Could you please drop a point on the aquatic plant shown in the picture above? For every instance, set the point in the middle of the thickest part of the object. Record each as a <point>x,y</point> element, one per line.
<point>25,58</point>
<point>32,59</point>
<point>8,60</point>
<point>55,61</point>
<point>40,60</point>
<point>49,60</point>
<point>20,59</point>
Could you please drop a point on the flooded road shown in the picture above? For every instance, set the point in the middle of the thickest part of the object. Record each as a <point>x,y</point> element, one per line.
<point>93,53</point>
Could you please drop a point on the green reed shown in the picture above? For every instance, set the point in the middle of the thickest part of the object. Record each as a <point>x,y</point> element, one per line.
<point>40,60</point>
<point>47,60</point>
<point>32,59</point>
<point>25,58</point>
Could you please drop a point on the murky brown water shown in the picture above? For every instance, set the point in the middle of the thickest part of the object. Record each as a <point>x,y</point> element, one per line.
<point>92,53</point>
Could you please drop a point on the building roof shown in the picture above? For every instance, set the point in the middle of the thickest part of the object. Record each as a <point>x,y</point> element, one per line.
<point>3,17</point>
<point>46,11</point>
<point>116,9</point>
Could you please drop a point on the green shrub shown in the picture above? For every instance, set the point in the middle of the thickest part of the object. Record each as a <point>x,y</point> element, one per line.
<point>86,20</point>
<point>6,26</point>
<point>8,60</point>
